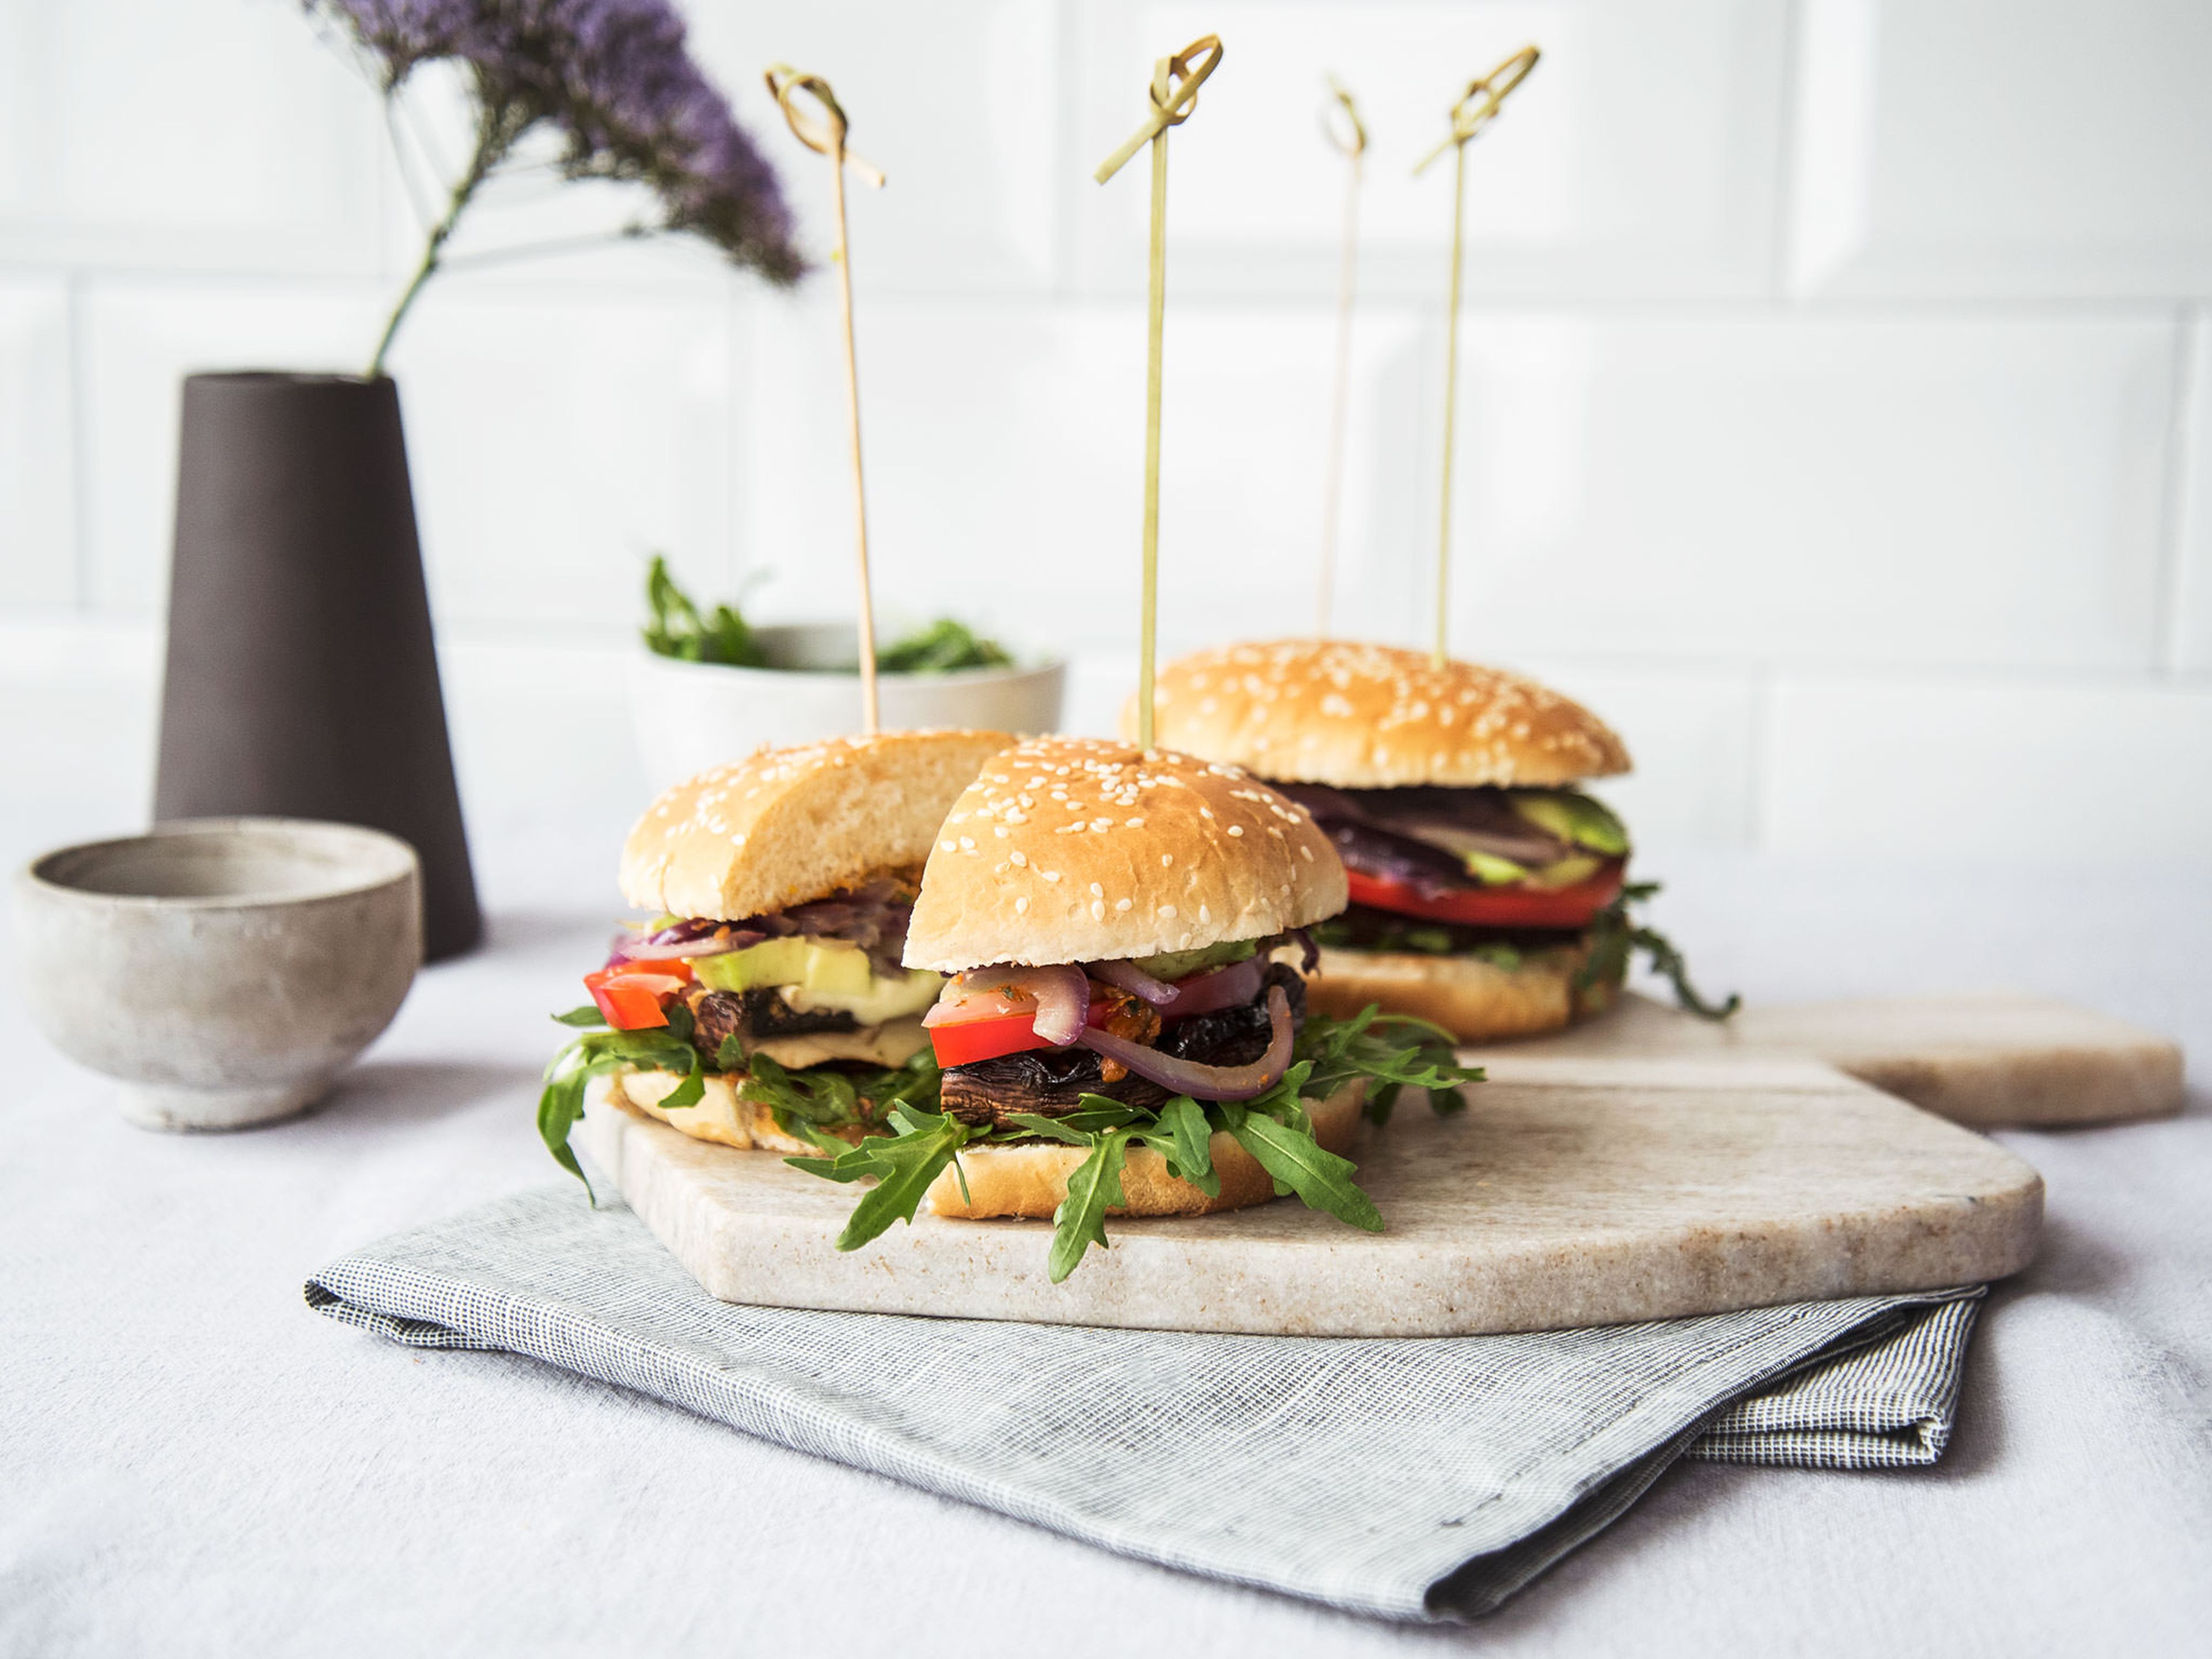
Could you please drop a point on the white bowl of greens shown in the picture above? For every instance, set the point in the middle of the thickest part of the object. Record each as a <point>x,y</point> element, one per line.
<point>709,687</point>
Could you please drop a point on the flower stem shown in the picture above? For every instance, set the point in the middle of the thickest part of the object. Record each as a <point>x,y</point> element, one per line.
<point>496,135</point>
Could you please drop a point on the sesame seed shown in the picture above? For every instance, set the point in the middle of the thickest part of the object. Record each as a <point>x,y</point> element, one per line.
<point>1121,904</point>
<point>1019,858</point>
<point>1097,910</point>
<point>1021,904</point>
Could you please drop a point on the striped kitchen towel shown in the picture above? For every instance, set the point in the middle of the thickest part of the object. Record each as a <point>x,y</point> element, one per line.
<point>1403,1478</point>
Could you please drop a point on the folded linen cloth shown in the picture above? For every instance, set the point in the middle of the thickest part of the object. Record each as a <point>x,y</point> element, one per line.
<point>1403,1478</point>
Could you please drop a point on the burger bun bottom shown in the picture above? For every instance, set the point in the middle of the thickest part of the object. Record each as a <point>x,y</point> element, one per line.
<point>1476,1000</point>
<point>1032,1179</point>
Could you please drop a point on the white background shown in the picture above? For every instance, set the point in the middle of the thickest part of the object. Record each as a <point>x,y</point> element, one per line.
<point>1834,424</point>
<point>1832,392</point>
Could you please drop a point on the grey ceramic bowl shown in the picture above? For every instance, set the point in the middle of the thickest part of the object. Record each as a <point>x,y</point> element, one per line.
<point>225,969</point>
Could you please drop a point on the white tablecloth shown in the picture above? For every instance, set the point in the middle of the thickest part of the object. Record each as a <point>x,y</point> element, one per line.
<point>193,1462</point>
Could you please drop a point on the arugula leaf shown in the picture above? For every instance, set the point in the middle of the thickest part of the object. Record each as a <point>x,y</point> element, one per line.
<point>820,1096</point>
<point>1380,1103</point>
<point>1322,1180</point>
<point>689,1092</point>
<point>593,1054</point>
<point>1395,1050</point>
<point>678,630</point>
<point>559,1106</point>
<point>1102,1112</point>
<point>942,647</point>
<point>1187,1144</point>
<point>1051,1128</point>
<point>904,1164</point>
<point>589,1014</point>
<point>1614,935</point>
<point>828,1098</point>
<point>1080,1220</point>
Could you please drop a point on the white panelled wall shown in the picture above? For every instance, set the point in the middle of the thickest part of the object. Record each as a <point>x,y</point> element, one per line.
<point>1832,380</point>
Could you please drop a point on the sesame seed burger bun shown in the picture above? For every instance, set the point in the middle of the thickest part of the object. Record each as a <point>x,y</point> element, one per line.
<point>1374,716</point>
<point>1032,1179</point>
<point>1078,850</point>
<point>784,826</point>
<point>1476,1000</point>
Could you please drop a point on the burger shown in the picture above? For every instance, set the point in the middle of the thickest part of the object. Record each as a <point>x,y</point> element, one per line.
<point>762,1004</point>
<point>1488,890</point>
<point>1123,1026</point>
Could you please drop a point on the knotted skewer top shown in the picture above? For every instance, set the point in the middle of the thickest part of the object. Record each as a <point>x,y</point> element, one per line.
<point>1340,124</point>
<point>1174,91</point>
<point>824,134</point>
<point>1479,104</point>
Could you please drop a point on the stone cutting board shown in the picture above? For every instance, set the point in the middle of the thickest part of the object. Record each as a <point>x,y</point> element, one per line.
<point>1988,1059</point>
<point>1576,1190</point>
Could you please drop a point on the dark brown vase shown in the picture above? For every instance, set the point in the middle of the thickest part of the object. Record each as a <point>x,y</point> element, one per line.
<point>302,681</point>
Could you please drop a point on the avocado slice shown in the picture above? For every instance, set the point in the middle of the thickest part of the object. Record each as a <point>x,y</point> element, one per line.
<point>903,994</point>
<point>1492,871</point>
<point>1573,817</point>
<point>1181,964</point>
<point>836,966</point>
<point>1567,871</point>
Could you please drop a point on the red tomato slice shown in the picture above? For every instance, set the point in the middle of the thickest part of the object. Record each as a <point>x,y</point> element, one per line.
<point>984,1039</point>
<point>632,1002</point>
<point>960,1042</point>
<point>1494,906</point>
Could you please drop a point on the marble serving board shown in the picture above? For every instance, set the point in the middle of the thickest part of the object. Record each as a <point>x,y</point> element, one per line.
<point>1989,1059</point>
<point>1572,1192</point>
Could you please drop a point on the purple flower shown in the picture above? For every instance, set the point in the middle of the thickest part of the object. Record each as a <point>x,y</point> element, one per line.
<point>615,78</point>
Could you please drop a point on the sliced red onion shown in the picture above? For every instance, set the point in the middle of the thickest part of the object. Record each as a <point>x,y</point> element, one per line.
<point>1061,994</point>
<point>1188,1077</point>
<point>692,948</point>
<point>1224,988</point>
<point>1136,982</point>
<point>1309,952</point>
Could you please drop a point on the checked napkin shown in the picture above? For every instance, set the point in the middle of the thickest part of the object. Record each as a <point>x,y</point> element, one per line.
<point>1403,1478</point>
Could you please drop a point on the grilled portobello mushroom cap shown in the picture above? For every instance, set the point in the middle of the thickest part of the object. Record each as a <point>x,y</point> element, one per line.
<point>750,1015</point>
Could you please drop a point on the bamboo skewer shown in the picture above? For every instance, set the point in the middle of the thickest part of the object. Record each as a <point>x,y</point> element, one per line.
<point>1476,110</point>
<point>1340,124</point>
<point>825,135</point>
<point>1173,95</point>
